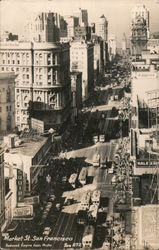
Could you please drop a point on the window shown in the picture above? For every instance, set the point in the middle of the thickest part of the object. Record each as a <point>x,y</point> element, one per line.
<point>27,76</point>
<point>6,108</point>
<point>0,109</point>
<point>18,62</point>
<point>17,90</point>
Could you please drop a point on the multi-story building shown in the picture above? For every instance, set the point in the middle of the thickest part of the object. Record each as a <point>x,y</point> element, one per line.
<point>140,29</point>
<point>42,28</point>
<point>140,11</point>
<point>76,93</point>
<point>43,82</point>
<point>102,31</point>
<point>2,189</point>
<point>71,22</point>
<point>98,58</point>
<point>153,45</point>
<point>7,102</point>
<point>82,60</point>
<point>82,16</point>
<point>82,33</point>
<point>112,45</point>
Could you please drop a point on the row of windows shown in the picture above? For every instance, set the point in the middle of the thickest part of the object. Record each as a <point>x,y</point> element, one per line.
<point>8,108</point>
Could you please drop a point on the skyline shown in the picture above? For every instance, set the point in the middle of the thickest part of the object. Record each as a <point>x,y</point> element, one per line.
<point>114,11</point>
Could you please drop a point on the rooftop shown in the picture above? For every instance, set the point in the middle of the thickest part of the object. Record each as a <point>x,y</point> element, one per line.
<point>29,145</point>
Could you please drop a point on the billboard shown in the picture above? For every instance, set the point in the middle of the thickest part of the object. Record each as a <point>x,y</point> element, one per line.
<point>146,163</point>
<point>37,125</point>
<point>21,212</point>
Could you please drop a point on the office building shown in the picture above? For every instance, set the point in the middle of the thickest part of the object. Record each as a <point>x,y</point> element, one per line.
<point>141,12</point>
<point>71,23</point>
<point>7,102</point>
<point>98,58</point>
<point>112,45</point>
<point>2,189</point>
<point>76,93</point>
<point>102,31</point>
<point>140,29</point>
<point>82,60</point>
<point>82,16</point>
<point>43,82</point>
<point>42,28</point>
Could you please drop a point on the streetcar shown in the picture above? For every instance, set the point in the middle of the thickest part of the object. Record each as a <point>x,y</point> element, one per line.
<point>82,176</point>
<point>85,201</point>
<point>73,179</point>
<point>93,213</point>
<point>96,197</point>
<point>88,235</point>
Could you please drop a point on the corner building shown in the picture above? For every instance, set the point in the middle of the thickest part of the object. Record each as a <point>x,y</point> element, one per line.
<point>42,83</point>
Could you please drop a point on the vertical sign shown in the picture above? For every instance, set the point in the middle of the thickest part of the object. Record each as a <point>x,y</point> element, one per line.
<point>19,185</point>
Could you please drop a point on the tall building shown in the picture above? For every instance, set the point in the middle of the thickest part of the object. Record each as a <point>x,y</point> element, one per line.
<point>98,58</point>
<point>140,11</point>
<point>124,42</point>
<point>7,102</point>
<point>71,22</point>
<point>102,28</point>
<point>42,28</point>
<point>102,31</point>
<point>2,189</point>
<point>82,60</point>
<point>43,85</point>
<point>83,17</point>
<point>112,45</point>
<point>140,29</point>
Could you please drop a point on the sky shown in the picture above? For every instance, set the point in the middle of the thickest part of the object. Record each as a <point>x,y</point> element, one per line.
<point>14,13</point>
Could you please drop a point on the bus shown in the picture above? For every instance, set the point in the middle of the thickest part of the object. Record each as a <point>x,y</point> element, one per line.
<point>72,180</point>
<point>88,235</point>
<point>85,201</point>
<point>82,176</point>
<point>96,197</point>
<point>96,160</point>
<point>92,213</point>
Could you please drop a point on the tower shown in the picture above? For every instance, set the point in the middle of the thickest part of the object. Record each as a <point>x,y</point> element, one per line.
<point>140,29</point>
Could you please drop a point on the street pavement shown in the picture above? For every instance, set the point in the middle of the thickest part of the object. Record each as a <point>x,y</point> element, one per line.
<point>105,150</point>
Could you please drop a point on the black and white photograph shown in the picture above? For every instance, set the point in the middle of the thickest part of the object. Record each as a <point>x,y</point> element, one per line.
<point>79,124</point>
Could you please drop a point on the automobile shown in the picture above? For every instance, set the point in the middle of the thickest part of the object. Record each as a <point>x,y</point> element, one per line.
<point>47,231</point>
<point>52,197</point>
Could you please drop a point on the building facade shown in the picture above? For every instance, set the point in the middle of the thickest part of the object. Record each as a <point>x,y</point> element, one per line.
<point>140,11</point>
<point>82,60</point>
<point>2,189</point>
<point>42,28</point>
<point>7,102</point>
<point>102,31</point>
<point>43,80</point>
<point>140,29</point>
<point>112,45</point>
